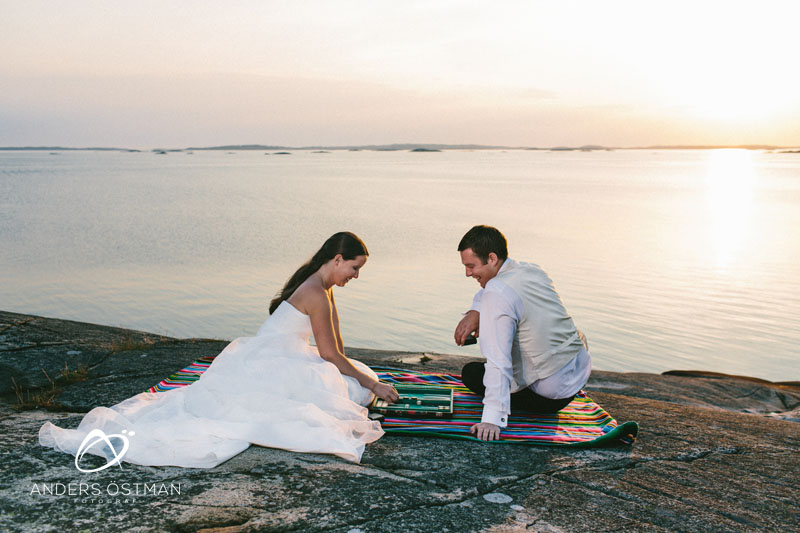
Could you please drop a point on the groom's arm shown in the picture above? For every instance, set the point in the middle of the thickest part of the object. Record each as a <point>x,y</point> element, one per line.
<point>498,325</point>
<point>476,301</point>
<point>471,322</point>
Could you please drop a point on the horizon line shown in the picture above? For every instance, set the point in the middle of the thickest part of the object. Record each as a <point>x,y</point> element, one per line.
<point>407,146</point>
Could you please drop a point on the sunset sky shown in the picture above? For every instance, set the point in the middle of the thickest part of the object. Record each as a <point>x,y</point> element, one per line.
<point>176,74</point>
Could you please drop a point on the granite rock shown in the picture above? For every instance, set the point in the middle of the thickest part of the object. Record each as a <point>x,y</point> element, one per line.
<point>703,460</point>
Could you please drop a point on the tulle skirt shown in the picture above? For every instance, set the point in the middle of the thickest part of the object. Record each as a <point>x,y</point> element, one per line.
<point>272,390</point>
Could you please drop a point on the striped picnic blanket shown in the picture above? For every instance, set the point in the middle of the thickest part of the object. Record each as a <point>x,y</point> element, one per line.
<point>582,423</point>
<point>184,377</point>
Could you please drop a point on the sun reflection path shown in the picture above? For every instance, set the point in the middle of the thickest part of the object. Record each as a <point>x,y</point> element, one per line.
<point>730,188</point>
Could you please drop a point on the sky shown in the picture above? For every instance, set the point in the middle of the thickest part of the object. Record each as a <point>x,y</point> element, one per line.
<point>176,74</point>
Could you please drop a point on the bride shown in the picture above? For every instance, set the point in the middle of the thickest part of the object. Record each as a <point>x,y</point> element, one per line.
<point>274,389</point>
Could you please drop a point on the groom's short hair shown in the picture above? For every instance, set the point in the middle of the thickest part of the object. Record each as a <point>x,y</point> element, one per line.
<point>484,240</point>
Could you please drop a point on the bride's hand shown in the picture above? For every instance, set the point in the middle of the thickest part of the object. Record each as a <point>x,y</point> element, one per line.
<point>385,391</point>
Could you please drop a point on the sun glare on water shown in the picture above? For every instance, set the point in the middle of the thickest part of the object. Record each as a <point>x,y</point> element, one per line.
<point>729,186</point>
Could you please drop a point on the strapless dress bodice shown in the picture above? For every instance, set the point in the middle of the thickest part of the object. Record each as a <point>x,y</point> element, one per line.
<point>286,320</point>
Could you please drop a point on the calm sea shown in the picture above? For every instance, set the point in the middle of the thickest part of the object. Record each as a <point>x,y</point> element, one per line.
<point>666,259</point>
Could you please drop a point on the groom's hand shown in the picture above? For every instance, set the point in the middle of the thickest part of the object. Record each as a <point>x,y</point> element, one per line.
<point>485,431</point>
<point>468,325</point>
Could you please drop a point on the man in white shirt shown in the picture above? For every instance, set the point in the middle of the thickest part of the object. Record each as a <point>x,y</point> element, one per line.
<point>536,359</point>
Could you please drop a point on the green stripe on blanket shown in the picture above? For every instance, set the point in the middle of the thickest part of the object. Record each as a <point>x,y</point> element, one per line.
<point>582,423</point>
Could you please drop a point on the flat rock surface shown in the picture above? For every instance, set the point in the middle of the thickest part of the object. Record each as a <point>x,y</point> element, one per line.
<point>703,460</point>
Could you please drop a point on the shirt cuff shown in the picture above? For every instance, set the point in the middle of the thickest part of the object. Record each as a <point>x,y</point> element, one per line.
<point>498,418</point>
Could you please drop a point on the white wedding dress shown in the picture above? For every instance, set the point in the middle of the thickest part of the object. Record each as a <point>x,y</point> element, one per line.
<point>273,390</point>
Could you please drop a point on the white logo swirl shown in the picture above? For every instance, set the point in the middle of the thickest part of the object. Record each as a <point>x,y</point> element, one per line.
<point>97,436</point>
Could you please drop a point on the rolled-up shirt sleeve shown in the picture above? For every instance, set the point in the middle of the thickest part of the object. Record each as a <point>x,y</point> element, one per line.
<point>498,326</point>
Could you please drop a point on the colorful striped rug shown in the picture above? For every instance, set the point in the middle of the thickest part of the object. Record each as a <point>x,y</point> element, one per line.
<point>582,423</point>
<point>184,377</point>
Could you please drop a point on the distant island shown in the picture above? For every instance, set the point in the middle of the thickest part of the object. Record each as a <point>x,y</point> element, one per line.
<point>410,147</point>
<point>372,147</point>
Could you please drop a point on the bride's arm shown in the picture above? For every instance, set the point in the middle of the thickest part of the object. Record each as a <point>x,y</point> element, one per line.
<point>335,315</point>
<point>321,311</point>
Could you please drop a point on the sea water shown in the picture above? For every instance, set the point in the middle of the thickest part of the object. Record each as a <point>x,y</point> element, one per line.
<point>665,259</point>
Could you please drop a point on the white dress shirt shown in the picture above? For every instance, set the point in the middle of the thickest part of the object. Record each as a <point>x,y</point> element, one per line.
<point>500,311</point>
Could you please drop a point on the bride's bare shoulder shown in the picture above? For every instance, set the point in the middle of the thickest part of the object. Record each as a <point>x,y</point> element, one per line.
<point>310,297</point>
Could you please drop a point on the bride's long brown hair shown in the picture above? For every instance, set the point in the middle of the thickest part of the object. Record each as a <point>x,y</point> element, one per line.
<point>344,242</point>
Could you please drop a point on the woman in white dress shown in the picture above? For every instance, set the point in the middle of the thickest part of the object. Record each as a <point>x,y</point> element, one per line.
<point>274,389</point>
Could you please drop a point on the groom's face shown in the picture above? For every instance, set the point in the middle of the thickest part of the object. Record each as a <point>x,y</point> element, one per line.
<point>475,268</point>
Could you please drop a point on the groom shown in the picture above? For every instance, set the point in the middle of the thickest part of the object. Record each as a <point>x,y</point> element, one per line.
<point>536,359</point>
